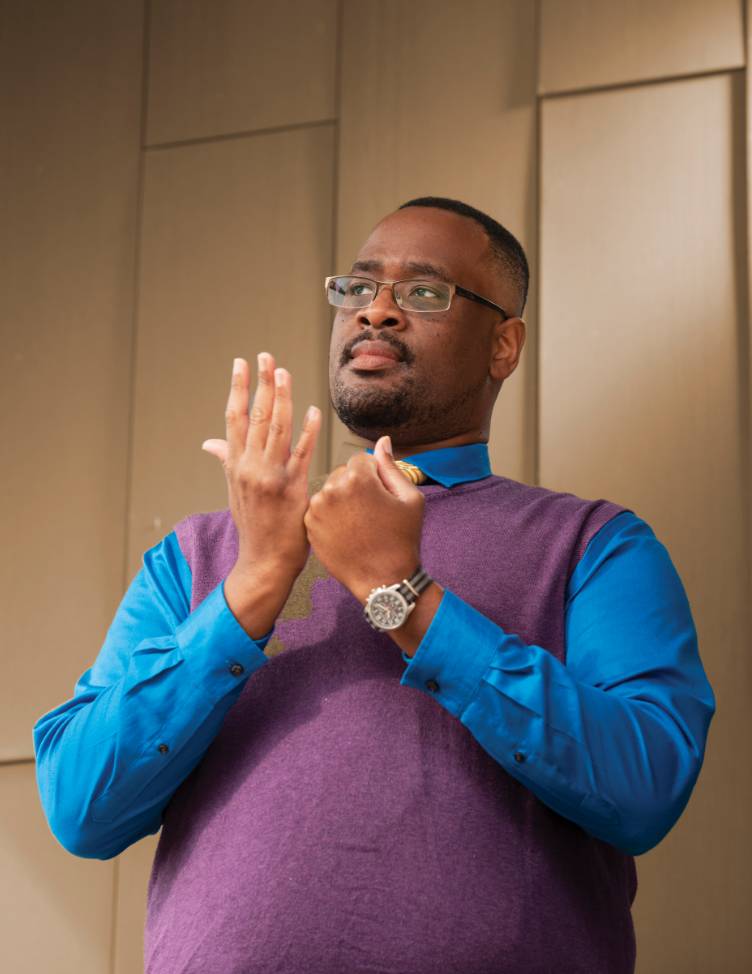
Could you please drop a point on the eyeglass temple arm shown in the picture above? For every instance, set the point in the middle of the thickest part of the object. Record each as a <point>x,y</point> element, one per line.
<point>476,297</point>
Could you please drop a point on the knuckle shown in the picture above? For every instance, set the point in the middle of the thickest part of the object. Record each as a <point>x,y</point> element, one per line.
<point>269,483</point>
<point>300,451</point>
<point>231,415</point>
<point>314,503</point>
<point>276,429</point>
<point>257,416</point>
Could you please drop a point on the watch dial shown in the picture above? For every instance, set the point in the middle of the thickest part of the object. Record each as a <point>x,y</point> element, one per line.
<point>388,610</point>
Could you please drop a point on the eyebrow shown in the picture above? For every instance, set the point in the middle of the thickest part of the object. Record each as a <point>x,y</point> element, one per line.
<point>413,266</point>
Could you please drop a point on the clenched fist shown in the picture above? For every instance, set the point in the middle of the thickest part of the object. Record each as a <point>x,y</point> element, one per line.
<point>365,523</point>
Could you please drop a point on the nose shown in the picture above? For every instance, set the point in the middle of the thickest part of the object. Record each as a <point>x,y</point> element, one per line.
<point>382,311</point>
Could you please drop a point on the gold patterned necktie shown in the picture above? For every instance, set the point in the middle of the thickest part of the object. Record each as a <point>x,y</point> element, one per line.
<point>413,473</point>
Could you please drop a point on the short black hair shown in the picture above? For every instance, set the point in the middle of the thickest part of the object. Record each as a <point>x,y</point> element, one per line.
<point>505,248</point>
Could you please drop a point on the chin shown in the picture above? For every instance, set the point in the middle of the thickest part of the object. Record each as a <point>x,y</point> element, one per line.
<point>371,412</point>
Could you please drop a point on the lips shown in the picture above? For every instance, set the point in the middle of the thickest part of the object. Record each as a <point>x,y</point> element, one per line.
<point>370,355</point>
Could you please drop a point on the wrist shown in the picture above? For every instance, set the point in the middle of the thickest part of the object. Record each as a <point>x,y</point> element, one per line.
<point>410,635</point>
<point>257,597</point>
<point>400,570</point>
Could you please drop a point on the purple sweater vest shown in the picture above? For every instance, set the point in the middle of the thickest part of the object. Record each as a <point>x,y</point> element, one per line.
<point>341,822</point>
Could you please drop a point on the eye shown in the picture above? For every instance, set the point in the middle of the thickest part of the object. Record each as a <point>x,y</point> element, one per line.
<point>360,287</point>
<point>423,291</point>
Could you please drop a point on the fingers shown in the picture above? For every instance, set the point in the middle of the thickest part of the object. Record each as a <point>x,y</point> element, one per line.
<point>267,430</point>
<point>301,456</point>
<point>236,411</point>
<point>280,425</point>
<point>261,411</point>
<point>217,448</point>
<point>391,476</point>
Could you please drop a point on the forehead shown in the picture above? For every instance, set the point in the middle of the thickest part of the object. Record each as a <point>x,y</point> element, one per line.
<point>418,239</point>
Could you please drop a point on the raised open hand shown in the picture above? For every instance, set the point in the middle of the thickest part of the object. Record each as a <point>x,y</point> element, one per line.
<point>267,481</point>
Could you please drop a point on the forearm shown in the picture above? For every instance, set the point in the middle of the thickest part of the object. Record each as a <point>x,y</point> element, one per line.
<point>109,759</point>
<point>611,758</point>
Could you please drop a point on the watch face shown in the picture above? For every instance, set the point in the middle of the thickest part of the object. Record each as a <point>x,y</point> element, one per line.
<point>388,609</point>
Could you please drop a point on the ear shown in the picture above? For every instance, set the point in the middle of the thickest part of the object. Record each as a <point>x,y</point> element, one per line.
<point>507,341</point>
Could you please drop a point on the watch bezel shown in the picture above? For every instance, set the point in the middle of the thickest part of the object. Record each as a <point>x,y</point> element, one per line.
<point>407,607</point>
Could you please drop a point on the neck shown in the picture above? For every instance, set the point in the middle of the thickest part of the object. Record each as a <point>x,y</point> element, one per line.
<point>406,449</point>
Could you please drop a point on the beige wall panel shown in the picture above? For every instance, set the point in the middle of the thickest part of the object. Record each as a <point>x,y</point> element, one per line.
<point>641,298</point>
<point>221,66</point>
<point>70,80</point>
<point>55,909</point>
<point>235,247</point>
<point>448,111</point>
<point>134,869</point>
<point>586,43</point>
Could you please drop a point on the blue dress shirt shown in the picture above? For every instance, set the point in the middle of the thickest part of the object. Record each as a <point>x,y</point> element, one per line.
<point>613,740</point>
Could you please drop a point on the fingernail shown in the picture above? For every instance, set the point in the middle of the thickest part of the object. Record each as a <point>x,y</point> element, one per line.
<point>388,446</point>
<point>279,377</point>
<point>311,413</point>
<point>262,361</point>
<point>237,365</point>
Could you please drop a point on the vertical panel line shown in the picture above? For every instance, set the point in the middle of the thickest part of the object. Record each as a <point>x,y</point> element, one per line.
<point>132,390</point>
<point>533,398</point>
<point>742,186</point>
<point>328,418</point>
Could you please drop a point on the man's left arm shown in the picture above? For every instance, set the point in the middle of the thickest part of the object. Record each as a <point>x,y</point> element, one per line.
<point>612,740</point>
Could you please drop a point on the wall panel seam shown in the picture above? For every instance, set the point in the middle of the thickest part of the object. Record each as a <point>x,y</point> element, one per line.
<point>641,83</point>
<point>327,446</point>
<point>532,399</point>
<point>145,42</point>
<point>229,136</point>
<point>745,336</point>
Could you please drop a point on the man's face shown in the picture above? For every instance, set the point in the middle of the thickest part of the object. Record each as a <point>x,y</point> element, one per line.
<point>439,385</point>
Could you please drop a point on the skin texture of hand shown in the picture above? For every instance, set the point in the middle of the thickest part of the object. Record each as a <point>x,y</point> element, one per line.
<point>365,527</point>
<point>268,491</point>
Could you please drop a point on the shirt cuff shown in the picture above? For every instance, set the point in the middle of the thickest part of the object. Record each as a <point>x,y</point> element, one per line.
<point>214,643</point>
<point>453,655</point>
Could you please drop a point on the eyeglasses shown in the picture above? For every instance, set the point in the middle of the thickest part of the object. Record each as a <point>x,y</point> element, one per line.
<point>425,296</point>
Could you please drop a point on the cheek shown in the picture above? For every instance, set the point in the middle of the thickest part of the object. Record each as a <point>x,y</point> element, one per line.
<point>447,352</point>
<point>337,338</point>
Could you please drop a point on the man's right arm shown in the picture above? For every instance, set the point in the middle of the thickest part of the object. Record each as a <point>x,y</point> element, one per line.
<point>141,718</point>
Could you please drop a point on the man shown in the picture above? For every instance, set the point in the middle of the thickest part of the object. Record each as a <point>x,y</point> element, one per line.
<point>401,725</point>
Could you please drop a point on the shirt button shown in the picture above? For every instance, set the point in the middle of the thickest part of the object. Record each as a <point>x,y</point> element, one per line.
<point>519,757</point>
<point>432,685</point>
<point>163,748</point>
<point>236,669</point>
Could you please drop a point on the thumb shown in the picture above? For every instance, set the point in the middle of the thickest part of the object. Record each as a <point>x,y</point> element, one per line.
<point>217,448</point>
<point>391,475</point>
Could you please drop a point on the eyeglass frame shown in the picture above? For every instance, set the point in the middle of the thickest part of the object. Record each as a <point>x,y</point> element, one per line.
<point>453,289</point>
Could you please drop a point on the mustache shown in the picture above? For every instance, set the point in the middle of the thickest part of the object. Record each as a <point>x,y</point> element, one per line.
<point>402,350</point>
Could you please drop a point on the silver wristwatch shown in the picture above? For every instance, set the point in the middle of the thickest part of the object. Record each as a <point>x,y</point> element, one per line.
<point>388,606</point>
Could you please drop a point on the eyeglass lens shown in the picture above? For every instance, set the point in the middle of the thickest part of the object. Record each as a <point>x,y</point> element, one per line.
<point>358,292</point>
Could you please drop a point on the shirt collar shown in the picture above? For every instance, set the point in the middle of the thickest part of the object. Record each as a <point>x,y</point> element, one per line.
<point>453,464</point>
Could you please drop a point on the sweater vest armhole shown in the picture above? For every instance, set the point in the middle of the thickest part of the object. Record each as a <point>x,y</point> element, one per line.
<point>600,514</point>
